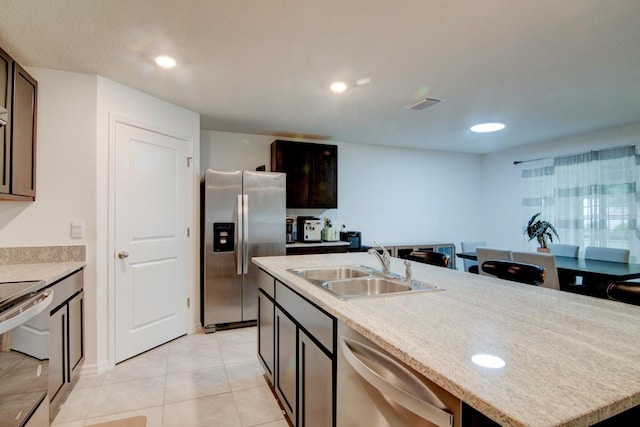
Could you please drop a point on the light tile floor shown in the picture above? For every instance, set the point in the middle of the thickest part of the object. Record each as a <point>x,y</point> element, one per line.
<point>197,380</point>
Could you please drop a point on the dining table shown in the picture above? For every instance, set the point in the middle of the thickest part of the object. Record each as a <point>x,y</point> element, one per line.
<point>596,274</point>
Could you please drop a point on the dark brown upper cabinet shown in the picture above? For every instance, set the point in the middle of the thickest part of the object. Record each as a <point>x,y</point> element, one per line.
<point>19,96</point>
<point>6,84</point>
<point>312,173</point>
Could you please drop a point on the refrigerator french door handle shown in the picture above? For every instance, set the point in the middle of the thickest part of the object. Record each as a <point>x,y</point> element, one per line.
<point>239,236</point>
<point>245,235</point>
<point>371,368</point>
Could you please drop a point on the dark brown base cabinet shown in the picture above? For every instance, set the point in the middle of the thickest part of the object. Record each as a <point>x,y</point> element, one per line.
<point>296,343</point>
<point>66,337</point>
<point>308,250</point>
<point>297,348</point>
<point>19,96</point>
<point>56,337</point>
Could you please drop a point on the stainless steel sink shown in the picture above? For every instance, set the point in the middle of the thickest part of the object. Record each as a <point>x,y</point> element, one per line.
<point>366,286</point>
<point>359,281</point>
<point>323,274</point>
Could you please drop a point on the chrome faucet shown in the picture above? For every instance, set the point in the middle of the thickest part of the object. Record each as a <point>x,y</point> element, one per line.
<point>384,259</point>
<point>407,271</point>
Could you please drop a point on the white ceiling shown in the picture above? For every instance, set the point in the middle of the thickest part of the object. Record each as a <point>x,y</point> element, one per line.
<point>547,68</point>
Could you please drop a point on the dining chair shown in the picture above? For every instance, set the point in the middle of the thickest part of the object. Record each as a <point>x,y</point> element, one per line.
<point>628,292</point>
<point>515,271</point>
<point>485,253</point>
<point>547,261</point>
<point>470,247</point>
<point>569,251</point>
<point>566,280</point>
<point>607,254</point>
<point>430,257</point>
<point>594,286</point>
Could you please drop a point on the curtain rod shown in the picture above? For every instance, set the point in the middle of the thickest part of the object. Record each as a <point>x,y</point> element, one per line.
<point>517,162</point>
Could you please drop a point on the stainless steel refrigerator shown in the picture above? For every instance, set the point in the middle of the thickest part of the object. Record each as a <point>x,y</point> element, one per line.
<point>243,216</point>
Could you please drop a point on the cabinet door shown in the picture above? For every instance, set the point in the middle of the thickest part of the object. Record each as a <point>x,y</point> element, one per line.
<point>76,329</point>
<point>6,67</point>
<point>324,185</point>
<point>286,364</point>
<point>316,384</point>
<point>23,139</point>
<point>293,159</point>
<point>266,337</point>
<point>312,173</point>
<point>57,350</point>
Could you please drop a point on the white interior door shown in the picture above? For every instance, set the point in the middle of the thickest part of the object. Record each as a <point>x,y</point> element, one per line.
<point>151,246</point>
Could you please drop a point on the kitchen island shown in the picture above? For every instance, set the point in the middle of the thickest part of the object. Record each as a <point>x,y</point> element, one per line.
<point>569,359</point>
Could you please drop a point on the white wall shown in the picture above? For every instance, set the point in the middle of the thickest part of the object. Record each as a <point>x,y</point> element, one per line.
<point>65,177</point>
<point>392,195</point>
<point>122,101</point>
<point>502,223</point>
<point>73,183</point>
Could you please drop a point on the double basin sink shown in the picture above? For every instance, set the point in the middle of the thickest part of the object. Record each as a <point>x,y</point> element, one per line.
<point>359,281</point>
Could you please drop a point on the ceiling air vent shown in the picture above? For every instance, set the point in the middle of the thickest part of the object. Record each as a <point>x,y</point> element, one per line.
<point>423,103</point>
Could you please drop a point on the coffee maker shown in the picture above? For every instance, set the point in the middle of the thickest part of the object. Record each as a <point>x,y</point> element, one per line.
<point>291,230</point>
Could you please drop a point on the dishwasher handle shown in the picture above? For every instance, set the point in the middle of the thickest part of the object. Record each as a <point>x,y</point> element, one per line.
<point>367,362</point>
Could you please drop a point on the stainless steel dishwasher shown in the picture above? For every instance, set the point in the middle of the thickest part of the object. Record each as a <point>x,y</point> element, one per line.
<point>375,389</point>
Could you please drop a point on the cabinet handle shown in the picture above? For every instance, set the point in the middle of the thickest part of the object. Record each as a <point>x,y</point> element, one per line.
<point>394,380</point>
<point>123,254</point>
<point>239,234</point>
<point>19,314</point>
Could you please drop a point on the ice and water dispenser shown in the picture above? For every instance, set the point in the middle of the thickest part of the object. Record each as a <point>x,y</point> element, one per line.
<point>223,236</point>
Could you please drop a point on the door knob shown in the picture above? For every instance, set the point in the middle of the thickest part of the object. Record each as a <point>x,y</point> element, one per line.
<point>123,254</point>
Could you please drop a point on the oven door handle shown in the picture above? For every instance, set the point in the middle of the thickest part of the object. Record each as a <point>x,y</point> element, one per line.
<point>388,376</point>
<point>22,313</point>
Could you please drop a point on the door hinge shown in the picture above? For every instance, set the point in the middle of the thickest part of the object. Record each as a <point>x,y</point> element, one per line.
<point>189,161</point>
<point>188,302</point>
<point>188,232</point>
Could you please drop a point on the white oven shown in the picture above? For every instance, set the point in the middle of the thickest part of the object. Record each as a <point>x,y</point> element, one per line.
<point>24,378</point>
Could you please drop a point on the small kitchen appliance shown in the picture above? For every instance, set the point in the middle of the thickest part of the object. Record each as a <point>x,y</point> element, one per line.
<point>309,229</point>
<point>291,230</point>
<point>353,237</point>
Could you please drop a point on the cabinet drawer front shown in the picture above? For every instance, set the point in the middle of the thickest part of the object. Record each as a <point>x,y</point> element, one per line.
<point>66,288</point>
<point>314,321</point>
<point>266,283</point>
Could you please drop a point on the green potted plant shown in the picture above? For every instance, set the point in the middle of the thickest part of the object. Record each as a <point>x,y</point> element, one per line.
<point>540,230</point>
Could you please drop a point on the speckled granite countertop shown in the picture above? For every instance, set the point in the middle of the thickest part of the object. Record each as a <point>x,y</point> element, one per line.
<point>570,359</point>
<point>48,271</point>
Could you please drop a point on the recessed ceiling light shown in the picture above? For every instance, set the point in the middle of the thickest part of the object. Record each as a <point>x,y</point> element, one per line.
<point>165,61</point>
<point>487,127</point>
<point>488,361</point>
<point>338,87</point>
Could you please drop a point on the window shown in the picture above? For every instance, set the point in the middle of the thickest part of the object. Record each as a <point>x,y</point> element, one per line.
<point>591,198</point>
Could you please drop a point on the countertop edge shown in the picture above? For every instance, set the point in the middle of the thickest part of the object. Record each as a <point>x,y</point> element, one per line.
<point>49,272</point>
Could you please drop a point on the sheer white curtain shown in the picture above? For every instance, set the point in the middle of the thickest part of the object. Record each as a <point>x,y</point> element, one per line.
<point>596,198</point>
<point>591,198</point>
<point>538,189</point>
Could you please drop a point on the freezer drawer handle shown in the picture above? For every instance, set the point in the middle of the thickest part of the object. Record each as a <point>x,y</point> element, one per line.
<point>389,377</point>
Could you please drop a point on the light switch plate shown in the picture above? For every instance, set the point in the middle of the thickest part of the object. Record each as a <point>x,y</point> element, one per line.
<point>77,229</point>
